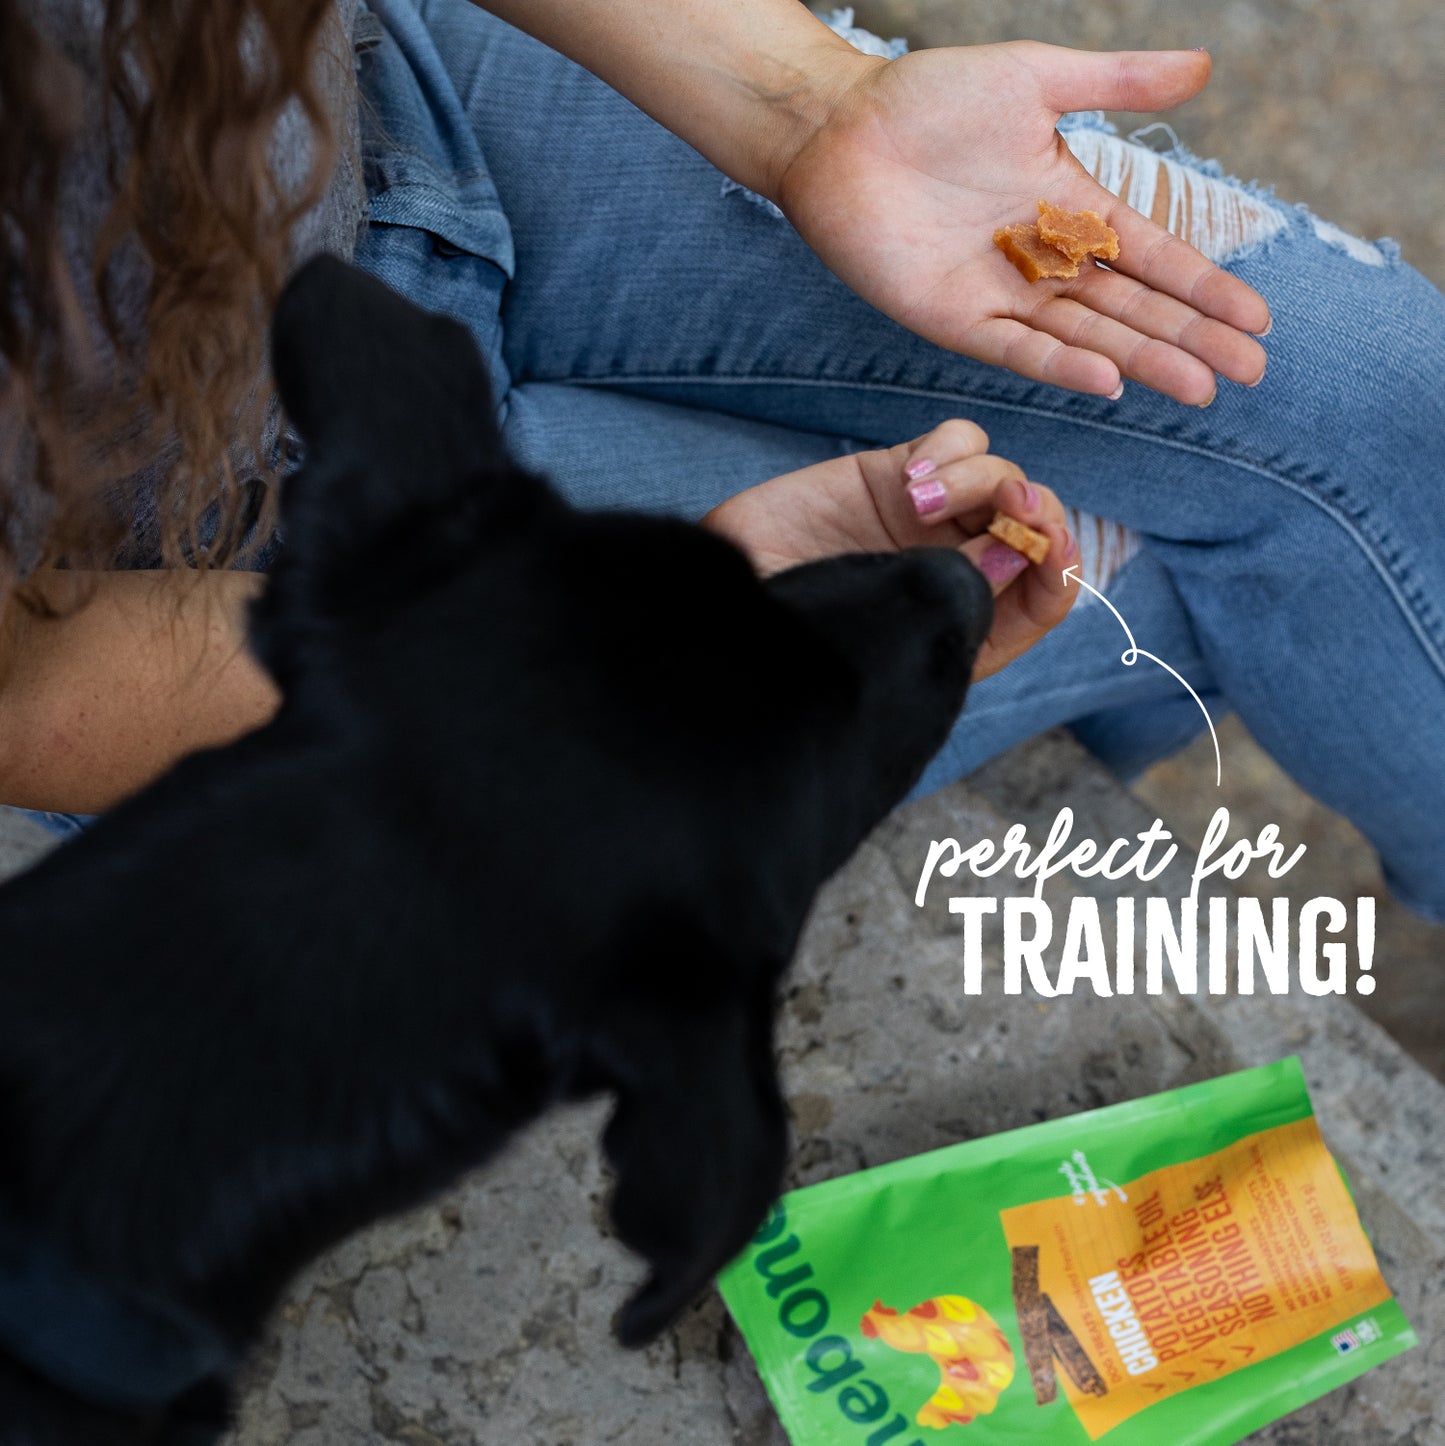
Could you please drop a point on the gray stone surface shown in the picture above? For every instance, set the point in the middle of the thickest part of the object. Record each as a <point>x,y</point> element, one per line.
<point>1410,999</point>
<point>483,1317</point>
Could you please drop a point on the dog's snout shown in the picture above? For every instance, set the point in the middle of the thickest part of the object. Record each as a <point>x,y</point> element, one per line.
<point>952,589</point>
<point>956,584</point>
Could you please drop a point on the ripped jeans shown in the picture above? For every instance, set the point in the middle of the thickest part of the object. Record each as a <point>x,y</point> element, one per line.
<point>659,341</point>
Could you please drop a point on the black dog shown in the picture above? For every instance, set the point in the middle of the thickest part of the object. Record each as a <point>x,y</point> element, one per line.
<point>541,815</point>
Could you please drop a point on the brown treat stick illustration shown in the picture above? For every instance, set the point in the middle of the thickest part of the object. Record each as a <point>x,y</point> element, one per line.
<point>1012,533</point>
<point>1033,1322</point>
<point>1072,1356</point>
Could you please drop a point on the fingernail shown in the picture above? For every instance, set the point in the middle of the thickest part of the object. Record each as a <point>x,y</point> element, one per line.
<point>1200,49</point>
<point>1071,548</point>
<point>1001,564</point>
<point>1117,392</point>
<point>1260,377</point>
<point>928,497</point>
<point>1267,330</point>
<point>1028,494</point>
<point>921,468</point>
<point>1209,402</point>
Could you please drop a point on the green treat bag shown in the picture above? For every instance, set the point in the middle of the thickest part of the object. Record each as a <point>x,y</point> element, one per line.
<point>1181,1269</point>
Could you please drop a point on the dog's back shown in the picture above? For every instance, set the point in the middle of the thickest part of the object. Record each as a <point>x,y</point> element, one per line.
<point>541,815</point>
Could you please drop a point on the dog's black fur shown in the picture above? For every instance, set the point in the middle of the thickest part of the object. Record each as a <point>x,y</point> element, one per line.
<point>541,816</point>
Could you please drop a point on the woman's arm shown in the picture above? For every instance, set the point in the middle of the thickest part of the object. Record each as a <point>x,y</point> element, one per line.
<point>898,172</point>
<point>744,82</point>
<point>98,704</point>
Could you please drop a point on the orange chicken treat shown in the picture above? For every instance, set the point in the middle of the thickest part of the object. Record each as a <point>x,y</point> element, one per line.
<point>1033,256</point>
<point>1077,233</point>
<point>1057,245</point>
<point>1012,533</point>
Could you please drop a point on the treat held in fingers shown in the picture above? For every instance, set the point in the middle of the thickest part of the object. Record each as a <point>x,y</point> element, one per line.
<point>1013,533</point>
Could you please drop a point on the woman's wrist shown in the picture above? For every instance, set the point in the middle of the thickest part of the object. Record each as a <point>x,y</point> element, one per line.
<point>795,96</point>
<point>747,83</point>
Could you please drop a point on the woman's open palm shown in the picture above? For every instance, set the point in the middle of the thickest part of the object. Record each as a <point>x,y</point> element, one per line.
<point>900,194</point>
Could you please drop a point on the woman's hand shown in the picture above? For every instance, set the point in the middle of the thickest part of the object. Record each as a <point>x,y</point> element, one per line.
<point>938,491</point>
<point>922,158</point>
<point>898,172</point>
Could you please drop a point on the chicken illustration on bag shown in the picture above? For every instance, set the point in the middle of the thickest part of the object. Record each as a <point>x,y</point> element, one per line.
<point>974,1358</point>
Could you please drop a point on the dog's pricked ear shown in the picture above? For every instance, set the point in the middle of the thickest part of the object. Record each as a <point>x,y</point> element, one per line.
<point>404,467</point>
<point>365,376</point>
<point>698,1142</point>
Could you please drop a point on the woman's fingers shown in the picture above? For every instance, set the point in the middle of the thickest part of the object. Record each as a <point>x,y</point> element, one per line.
<point>1139,357</point>
<point>968,493</point>
<point>1163,262</point>
<point>1135,80</point>
<point>947,487</point>
<point>1029,598</point>
<point>1003,566</point>
<point>1222,348</point>
<point>963,492</point>
<point>950,441</point>
<point>1023,348</point>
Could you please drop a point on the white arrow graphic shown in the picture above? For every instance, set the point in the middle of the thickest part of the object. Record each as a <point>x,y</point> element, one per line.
<point>1133,652</point>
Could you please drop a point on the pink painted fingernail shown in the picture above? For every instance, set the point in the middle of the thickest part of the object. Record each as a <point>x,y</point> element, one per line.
<point>1029,493</point>
<point>1071,548</point>
<point>921,468</point>
<point>928,497</point>
<point>1001,564</point>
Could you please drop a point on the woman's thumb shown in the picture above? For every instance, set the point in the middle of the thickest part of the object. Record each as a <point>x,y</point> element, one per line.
<point>1138,80</point>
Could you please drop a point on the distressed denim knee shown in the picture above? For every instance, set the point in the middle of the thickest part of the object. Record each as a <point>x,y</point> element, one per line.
<point>1350,416</point>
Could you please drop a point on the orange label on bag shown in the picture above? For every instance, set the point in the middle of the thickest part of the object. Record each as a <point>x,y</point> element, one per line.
<point>1128,1294</point>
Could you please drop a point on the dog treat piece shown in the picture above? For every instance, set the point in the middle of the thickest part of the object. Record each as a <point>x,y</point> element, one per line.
<point>1033,256</point>
<point>1033,1322</point>
<point>1077,233</point>
<point>1059,242</point>
<point>1072,1356</point>
<point>1012,533</point>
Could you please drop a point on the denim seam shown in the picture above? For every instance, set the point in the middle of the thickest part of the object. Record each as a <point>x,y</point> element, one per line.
<point>1417,616</point>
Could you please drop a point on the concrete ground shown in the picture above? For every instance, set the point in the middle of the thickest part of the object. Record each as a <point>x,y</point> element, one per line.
<point>483,1318</point>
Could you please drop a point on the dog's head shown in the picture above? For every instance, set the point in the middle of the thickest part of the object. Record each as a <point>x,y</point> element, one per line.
<point>645,759</point>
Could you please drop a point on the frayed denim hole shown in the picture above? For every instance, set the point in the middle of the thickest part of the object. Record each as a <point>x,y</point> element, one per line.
<point>1087,120</point>
<point>1222,217</point>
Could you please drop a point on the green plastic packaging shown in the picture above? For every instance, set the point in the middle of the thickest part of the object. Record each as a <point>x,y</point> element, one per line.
<point>1181,1269</point>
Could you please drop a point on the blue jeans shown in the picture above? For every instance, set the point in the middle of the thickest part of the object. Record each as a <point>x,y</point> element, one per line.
<point>659,341</point>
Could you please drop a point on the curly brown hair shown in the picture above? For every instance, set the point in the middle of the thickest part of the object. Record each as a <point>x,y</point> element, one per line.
<point>192,92</point>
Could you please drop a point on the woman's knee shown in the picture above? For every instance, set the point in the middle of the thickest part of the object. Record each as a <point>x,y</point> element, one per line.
<point>1349,415</point>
